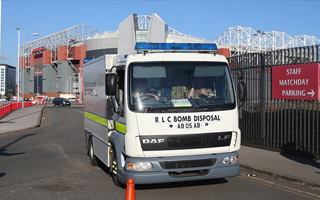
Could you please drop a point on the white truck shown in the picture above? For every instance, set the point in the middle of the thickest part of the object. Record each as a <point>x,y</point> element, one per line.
<point>141,121</point>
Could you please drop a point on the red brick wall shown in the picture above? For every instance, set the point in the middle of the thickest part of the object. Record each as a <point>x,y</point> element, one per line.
<point>62,53</point>
<point>224,51</point>
<point>46,57</point>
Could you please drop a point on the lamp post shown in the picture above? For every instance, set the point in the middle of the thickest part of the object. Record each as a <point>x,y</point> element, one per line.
<point>67,86</point>
<point>37,81</point>
<point>23,67</point>
<point>70,85</point>
<point>80,81</point>
<point>18,92</point>
<point>0,26</point>
<point>37,89</point>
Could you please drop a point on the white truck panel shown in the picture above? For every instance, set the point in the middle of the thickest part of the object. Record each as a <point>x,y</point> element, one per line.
<point>175,57</point>
<point>135,126</point>
<point>186,123</point>
<point>95,103</point>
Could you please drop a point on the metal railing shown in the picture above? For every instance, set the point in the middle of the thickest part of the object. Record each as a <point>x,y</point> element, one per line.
<point>5,109</point>
<point>290,125</point>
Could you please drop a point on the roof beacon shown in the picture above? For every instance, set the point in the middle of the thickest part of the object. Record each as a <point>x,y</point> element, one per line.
<point>176,46</point>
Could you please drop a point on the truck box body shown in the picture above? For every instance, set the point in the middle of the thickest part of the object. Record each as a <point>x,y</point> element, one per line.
<point>167,138</point>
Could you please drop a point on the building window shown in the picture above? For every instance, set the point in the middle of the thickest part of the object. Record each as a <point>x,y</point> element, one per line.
<point>141,35</point>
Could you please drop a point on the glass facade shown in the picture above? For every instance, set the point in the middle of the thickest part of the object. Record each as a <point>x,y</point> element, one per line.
<point>7,80</point>
<point>141,35</point>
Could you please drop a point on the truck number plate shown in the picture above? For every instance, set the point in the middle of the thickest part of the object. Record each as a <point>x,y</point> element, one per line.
<point>188,125</point>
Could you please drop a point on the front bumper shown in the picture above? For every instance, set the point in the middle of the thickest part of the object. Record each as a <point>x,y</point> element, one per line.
<point>161,175</point>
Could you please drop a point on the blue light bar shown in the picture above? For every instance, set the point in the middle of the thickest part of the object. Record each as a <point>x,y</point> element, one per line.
<point>176,46</point>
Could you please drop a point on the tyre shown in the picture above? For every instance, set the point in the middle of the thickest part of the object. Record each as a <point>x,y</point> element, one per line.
<point>93,158</point>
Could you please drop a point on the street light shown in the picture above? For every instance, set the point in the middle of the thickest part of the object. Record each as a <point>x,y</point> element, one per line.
<point>67,86</point>
<point>80,81</point>
<point>23,63</point>
<point>37,90</point>
<point>70,84</point>
<point>18,29</point>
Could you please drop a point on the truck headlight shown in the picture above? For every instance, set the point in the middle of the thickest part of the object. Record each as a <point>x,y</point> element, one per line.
<point>139,166</point>
<point>230,160</point>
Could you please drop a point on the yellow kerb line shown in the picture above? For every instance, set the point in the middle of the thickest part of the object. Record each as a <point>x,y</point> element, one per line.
<point>282,187</point>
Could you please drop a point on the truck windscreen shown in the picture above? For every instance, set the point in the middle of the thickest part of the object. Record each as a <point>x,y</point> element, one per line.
<point>180,87</point>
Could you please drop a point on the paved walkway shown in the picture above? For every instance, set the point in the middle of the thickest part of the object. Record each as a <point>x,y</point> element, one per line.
<point>281,166</point>
<point>21,119</point>
<point>257,161</point>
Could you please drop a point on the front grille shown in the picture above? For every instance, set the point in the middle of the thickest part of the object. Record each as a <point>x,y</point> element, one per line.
<point>178,142</point>
<point>187,163</point>
<point>191,142</point>
<point>189,173</point>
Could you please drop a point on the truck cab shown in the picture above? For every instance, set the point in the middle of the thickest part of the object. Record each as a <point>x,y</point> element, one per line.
<point>171,115</point>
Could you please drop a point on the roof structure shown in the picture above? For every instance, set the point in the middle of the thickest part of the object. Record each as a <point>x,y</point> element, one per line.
<point>67,37</point>
<point>238,39</point>
<point>247,40</point>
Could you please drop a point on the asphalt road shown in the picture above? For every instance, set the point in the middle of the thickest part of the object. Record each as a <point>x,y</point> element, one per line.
<point>50,162</point>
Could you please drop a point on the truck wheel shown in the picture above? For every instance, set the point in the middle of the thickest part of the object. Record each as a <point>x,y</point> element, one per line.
<point>114,169</point>
<point>93,158</point>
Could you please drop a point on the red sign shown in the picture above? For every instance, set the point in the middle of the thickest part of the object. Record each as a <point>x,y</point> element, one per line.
<point>38,49</point>
<point>296,82</point>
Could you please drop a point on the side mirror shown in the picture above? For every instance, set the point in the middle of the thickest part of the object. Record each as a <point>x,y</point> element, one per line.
<point>111,84</point>
<point>242,91</point>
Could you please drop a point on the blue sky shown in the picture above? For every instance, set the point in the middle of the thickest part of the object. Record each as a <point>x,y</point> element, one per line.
<point>201,18</point>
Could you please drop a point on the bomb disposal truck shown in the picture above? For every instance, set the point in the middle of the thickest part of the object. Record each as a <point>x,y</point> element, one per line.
<point>142,121</point>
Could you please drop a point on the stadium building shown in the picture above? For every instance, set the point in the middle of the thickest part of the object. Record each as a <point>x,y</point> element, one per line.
<point>53,64</point>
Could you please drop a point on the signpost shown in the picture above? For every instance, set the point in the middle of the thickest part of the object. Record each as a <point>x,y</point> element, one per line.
<point>296,82</point>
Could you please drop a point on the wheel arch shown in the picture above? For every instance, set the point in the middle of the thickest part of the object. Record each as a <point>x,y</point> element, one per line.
<point>114,140</point>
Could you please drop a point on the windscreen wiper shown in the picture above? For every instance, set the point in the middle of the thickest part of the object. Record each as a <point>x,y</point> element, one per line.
<point>208,107</point>
<point>150,109</point>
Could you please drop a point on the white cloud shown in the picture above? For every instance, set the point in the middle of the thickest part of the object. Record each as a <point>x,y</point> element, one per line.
<point>4,57</point>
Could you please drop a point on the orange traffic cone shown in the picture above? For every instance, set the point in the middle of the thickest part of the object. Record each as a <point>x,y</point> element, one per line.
<point>130,193</point>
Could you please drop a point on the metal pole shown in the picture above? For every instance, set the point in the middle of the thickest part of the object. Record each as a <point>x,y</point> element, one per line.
<point>80,80</point>
<point>71,91</point>
<point>37,81</point>
<point>22,87</point>
<point>263,96</point>
<point>0,27</point>
<point>69,86</point>
<point>18,92</point>
<point>24,63</point>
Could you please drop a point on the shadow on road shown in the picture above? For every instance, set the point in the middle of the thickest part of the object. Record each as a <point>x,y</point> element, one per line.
<point>3,149</point>
<point>181,184</point>
<point>2,174</point>
<point>3,153</point>
<point>288,151</point>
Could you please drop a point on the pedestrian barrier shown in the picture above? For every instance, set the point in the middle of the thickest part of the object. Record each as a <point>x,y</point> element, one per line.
<point>8,108</point>
<point>130,193</point>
